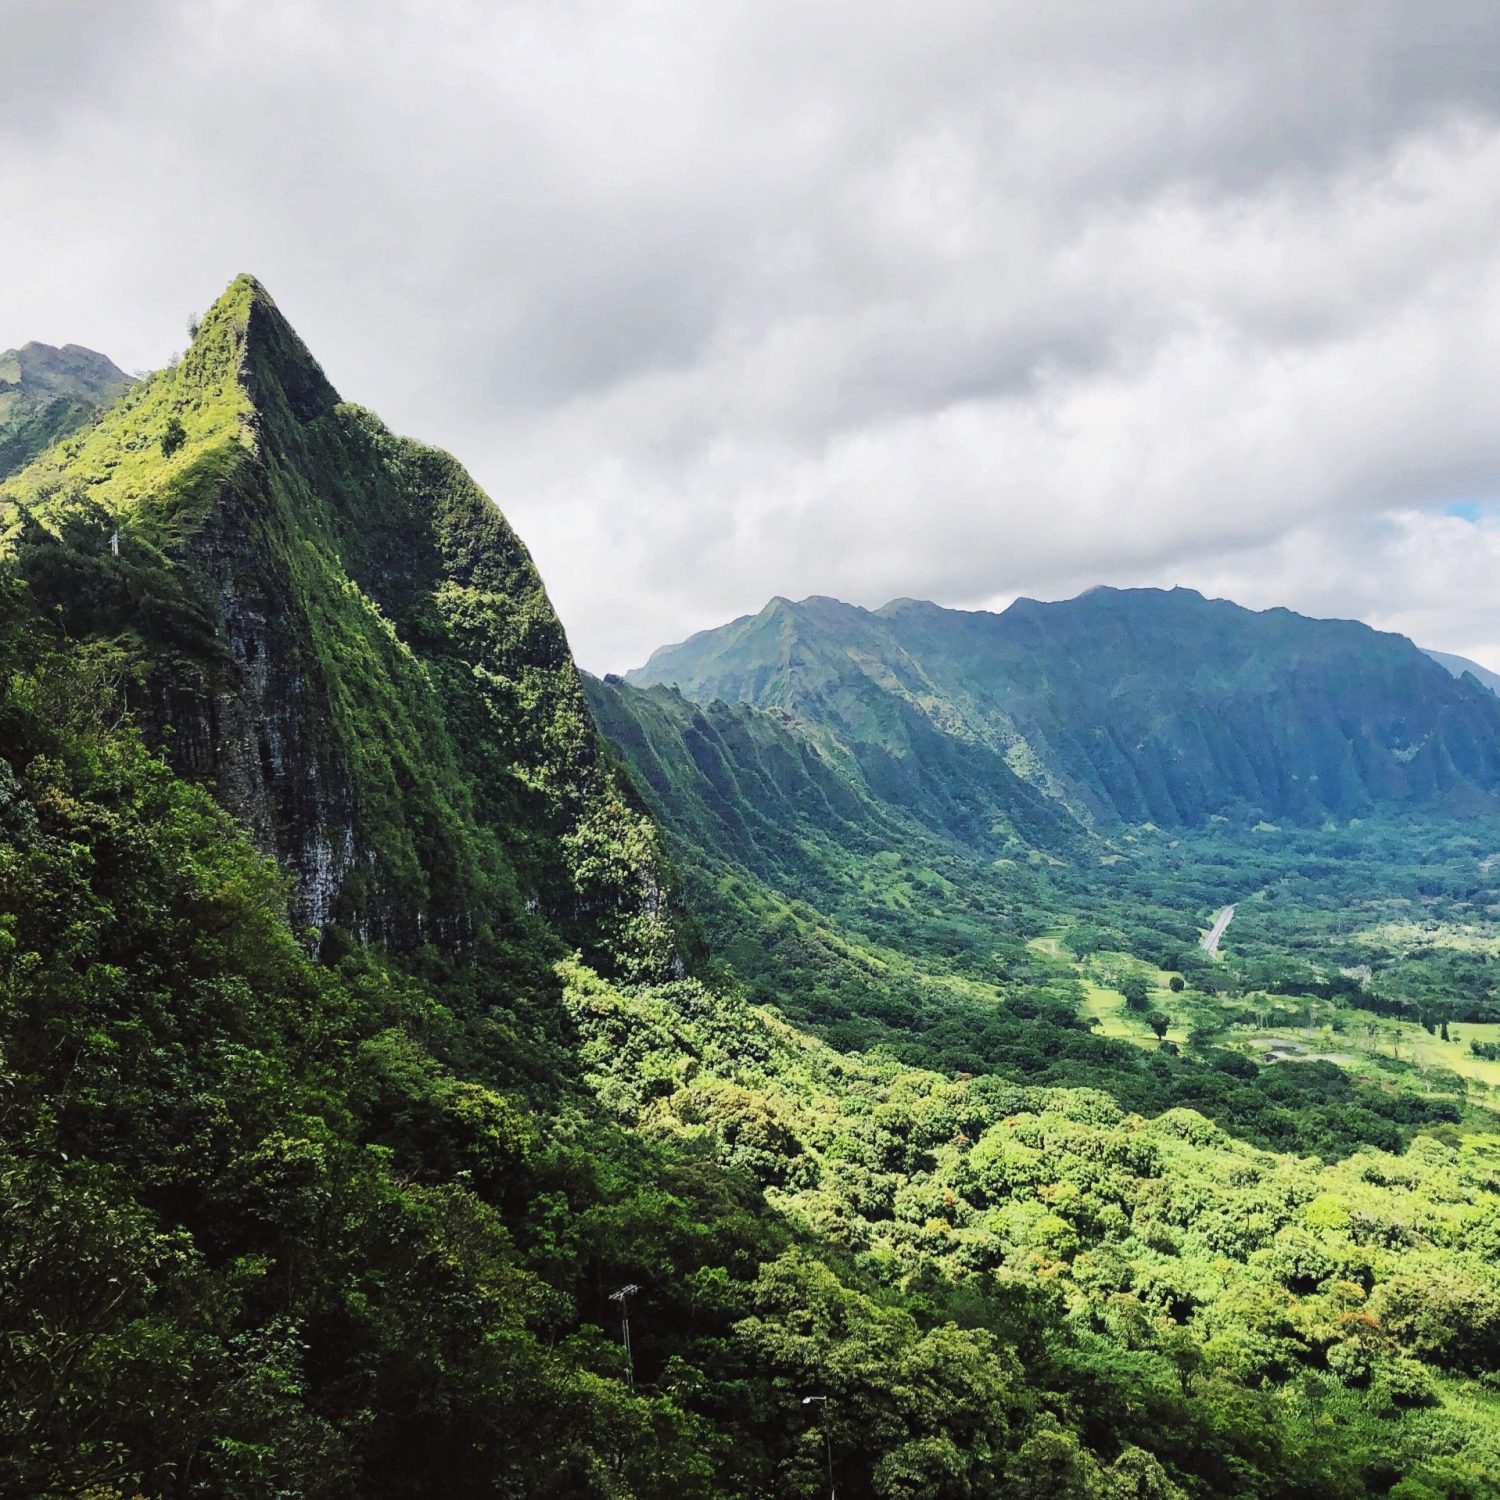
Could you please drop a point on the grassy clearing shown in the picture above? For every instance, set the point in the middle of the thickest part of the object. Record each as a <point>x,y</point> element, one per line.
<point>1404,1042</point>
<point>1049,945</point>
<point>1103,1003</point>
<point>1362,1042</point>
<point>1457,936</point>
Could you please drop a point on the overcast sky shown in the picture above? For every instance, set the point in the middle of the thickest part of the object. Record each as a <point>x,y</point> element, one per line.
<point>719,301</point>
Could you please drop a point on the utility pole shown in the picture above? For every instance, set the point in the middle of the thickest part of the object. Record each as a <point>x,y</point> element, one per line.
<point>833,1493</point>
<point>623,1297</point>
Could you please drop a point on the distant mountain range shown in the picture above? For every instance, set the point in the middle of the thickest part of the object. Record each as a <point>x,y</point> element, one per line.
<point>46,393</point>
<point>1122,705</point>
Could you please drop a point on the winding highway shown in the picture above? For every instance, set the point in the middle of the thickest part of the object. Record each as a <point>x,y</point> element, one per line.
<point>1211,938</point>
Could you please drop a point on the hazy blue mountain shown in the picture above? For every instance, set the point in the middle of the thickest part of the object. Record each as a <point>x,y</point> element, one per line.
<point>1458,665</point>
<point>1120,705</point>
<point>46,393</point>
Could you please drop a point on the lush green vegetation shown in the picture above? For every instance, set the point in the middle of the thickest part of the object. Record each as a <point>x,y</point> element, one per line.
<point>1086,975</point>
<point>340,1209</point>
<point>856,920</point>
<point>336,630</point>
<point>338,1223</point>
<point>278,1227</point>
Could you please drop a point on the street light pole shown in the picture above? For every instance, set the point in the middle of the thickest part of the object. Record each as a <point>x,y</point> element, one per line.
<point>833,1493</point>
<point>623,1297</point>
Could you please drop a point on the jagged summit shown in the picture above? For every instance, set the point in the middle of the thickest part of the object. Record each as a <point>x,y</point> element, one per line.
<point>243,293</point>
<point>338,632</point>
<point>243,304</point>
<point>265,353</point>
<point>246,384</point>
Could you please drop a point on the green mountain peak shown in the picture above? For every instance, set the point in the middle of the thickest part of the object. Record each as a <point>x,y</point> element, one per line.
<point>245,334</point>
<point>336,630</point>
<point>161,455</point>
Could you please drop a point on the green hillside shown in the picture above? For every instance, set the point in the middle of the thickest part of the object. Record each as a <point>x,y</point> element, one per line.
<point>880,935</point>
<point>373,1034</point>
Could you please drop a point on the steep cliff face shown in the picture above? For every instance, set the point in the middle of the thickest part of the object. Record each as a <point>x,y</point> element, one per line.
<point>335,629</point>
<point>1134,705</point>
<point>47,393</point>
<point>736,783</point>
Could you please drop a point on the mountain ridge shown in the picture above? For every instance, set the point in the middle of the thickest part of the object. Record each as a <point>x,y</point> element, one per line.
<point>48,392</point>
<point>1459,665</point>
<point>1119,705</point>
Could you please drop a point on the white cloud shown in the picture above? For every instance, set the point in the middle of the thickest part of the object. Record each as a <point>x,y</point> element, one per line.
<point>1430,577</point>
<point>961,300</point>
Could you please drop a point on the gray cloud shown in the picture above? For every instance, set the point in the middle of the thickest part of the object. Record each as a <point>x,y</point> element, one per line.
<point>960,300</point>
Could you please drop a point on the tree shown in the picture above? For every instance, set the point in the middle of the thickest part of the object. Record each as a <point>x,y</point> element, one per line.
<point>1443,1314</point>
<point>1137,993</point>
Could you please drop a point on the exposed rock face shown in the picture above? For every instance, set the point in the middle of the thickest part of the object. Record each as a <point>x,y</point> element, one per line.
<point>46,393</point>
<point>257,743</point>
<point>362,662</point>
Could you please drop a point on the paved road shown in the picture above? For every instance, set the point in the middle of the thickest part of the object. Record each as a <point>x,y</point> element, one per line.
<point>1211,939</point>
